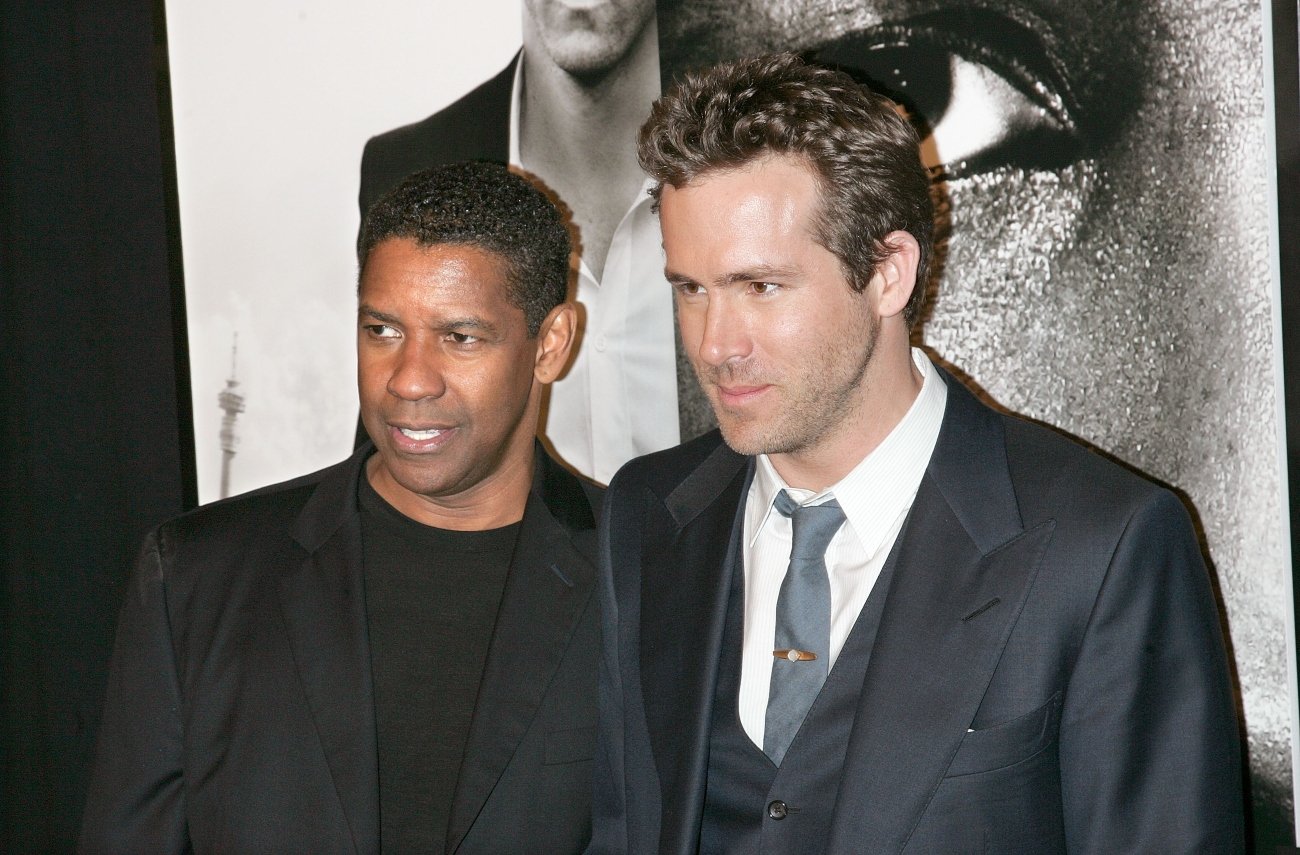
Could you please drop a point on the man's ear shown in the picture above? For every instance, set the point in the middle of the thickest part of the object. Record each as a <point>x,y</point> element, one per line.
<point>896,275</point>
<point>554,341</point>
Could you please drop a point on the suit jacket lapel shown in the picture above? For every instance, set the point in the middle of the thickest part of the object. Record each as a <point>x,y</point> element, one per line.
<point>323,603</point>
<point>965,566</point>
<point>684,585</point>
<point>551,579</point>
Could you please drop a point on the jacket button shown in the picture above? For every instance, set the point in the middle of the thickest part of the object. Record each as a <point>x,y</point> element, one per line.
<point>777,810</point>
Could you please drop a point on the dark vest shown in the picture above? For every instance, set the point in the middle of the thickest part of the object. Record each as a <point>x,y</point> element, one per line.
<point>750,805</point>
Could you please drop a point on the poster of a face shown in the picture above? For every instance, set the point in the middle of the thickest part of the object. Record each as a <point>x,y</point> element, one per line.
<point>1103,173</point>
<point>272,103</point>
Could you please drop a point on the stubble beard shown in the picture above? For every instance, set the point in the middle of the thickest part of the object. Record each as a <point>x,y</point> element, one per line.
<point>816,400</point>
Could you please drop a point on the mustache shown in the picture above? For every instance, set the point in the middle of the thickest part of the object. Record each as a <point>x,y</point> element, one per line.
<point>746,372</point>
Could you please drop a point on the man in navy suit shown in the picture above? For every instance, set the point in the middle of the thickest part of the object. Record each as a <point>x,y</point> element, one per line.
<point>873,614</point>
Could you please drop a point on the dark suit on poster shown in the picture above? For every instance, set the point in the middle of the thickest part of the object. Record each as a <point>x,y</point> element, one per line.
<point>1048,673</point>
<point>240,713</point>
<point>476,127</point>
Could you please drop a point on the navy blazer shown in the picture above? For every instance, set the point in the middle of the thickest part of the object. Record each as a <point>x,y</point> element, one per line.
<point>1049,674</point>
<point>240,711</point>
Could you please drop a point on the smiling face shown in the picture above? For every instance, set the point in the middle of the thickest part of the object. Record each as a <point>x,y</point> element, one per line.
<point>782,345</point>
<point>450,382</point>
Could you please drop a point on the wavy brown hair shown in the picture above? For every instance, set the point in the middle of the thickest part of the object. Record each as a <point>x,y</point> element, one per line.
<point>865,155</point>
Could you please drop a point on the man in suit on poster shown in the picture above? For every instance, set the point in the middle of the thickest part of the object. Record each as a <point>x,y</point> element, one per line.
<point>566,109</point>
<point>874,615</point>
<point>397,653</point>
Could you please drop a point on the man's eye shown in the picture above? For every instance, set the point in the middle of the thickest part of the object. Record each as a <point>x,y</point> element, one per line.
<point>764,287</point>
<point>381,330</point>
<point>982,89</point>
<point>461,338</point>
<point>688,289</point>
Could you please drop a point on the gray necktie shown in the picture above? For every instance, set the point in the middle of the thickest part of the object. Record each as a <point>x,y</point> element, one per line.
<point>803,623</point>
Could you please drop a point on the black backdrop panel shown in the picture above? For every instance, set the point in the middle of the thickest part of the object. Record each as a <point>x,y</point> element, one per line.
<point>93,453</point>
<point>96,447</point>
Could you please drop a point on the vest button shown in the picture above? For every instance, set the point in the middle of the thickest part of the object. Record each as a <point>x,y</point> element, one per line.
<point>777,810</point>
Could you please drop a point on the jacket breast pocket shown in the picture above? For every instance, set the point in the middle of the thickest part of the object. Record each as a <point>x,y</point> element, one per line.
<point>569,746</point>
<point>1008,743</point>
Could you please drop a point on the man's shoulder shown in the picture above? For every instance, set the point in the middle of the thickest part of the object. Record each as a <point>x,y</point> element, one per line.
<point>664,471</point>
<point>474,127</point>
<point>1055,470</point>
<point>477,105</point>
<point>267,512</point>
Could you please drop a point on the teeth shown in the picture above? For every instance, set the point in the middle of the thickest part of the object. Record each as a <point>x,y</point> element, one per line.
<point>419,434</point>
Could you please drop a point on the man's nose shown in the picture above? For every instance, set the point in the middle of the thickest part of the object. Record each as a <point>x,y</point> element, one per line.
<point>724,333</point>
<point>417,373</point>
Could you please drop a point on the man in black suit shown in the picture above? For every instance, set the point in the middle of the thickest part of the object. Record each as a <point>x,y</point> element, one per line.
<point>875,615</point>
<point>397,653</point>
<point>566,109</point>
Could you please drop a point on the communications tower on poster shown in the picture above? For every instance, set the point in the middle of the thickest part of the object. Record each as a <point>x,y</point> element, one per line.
<point>232,404</point>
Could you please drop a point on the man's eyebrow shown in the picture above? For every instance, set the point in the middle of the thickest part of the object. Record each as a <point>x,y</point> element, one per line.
<point>761,273</point>
<point>367,310</point>
<point>468,323</point>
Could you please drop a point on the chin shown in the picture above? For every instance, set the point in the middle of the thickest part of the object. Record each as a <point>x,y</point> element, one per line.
<point>743,439</point>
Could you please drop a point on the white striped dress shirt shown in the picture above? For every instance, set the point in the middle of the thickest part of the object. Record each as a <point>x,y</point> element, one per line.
<point>875,496</point>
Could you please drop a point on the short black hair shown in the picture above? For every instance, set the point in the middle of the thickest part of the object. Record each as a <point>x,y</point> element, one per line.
<point>484,205</point>
<point>864,154</point>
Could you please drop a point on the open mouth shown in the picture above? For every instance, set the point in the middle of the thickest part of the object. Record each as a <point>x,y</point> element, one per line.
<point>419,440</point>
<point>421,435</point>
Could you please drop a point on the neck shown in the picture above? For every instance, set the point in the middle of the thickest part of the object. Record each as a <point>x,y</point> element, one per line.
<point>885,394</point>
<point>579,136</point>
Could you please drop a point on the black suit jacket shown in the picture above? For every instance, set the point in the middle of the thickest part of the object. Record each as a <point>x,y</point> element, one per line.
<point>476,127</point>
<point>240,710</point>
<point>1048,676</point>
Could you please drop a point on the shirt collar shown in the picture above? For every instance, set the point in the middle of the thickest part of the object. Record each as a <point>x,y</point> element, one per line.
<point>516,102</point>
<point>883,484</point>
<point>640,207</point>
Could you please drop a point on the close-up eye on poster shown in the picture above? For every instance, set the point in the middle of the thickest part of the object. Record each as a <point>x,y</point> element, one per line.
<point>810,425</point>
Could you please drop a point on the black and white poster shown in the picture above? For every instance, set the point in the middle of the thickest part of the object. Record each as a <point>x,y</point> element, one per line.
<point>1109,266</point>
<point>272,103</point>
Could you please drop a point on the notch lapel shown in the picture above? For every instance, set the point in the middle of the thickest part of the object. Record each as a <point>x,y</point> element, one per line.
<point>965,567</point>
<point>322,600</point>
<point>684,588</point>
<point>548,586</point>
<point>946,619</point>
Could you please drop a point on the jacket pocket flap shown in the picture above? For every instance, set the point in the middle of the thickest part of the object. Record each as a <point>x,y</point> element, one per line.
<point>1008,743</point>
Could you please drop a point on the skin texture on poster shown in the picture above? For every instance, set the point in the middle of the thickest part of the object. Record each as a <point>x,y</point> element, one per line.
<point>1102,175</point>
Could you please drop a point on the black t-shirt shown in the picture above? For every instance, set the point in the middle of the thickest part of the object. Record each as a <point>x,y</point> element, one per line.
<point>431,603</point>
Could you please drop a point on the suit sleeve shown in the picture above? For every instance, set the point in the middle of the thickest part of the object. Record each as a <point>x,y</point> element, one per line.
<point>136,799</point>
<point>1149,738</point>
